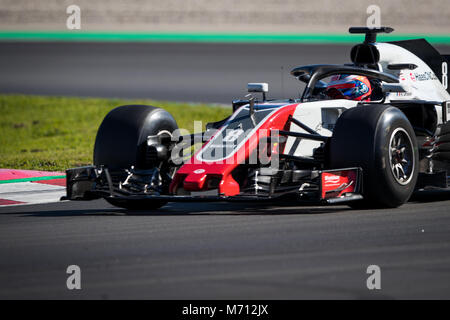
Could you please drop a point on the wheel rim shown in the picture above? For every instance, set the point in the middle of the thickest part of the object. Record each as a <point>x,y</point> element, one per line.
<point>401,156</point>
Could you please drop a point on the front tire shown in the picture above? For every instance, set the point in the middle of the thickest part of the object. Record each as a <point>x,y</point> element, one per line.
<point>121,142</point>
<point>122,137</point>
<point>381,140</point>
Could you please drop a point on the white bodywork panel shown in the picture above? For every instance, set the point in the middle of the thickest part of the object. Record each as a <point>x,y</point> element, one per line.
<point>320,116</point>
<point>421,82</point>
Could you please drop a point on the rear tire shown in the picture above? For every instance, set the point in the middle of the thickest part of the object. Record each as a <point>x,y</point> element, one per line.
<point>121,142</point>
<point>381,140</point>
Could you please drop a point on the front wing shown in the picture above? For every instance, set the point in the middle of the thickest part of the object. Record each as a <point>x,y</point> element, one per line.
<point>324,187</point>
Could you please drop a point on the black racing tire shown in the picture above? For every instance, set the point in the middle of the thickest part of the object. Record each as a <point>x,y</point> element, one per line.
<point>122,136</point>
<point>121,143</point>
<point>380,140</point>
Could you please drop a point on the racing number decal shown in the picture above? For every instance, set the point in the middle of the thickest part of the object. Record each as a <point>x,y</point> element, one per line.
<point>444,75</point>
<point>233,135</point>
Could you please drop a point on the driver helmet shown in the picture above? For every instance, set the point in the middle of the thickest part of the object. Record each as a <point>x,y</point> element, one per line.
<point>350,87</point>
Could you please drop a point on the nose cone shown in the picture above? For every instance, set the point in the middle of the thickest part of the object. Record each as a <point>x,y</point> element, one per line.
<point>201,177</point>
<point>195,180</point>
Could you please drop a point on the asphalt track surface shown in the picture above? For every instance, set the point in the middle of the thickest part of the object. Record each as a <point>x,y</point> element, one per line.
<point>180,72</point>
<point>208,250</point>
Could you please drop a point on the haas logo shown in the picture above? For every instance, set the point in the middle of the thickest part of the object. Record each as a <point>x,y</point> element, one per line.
<point>332,180</point>
<point>336,183</point>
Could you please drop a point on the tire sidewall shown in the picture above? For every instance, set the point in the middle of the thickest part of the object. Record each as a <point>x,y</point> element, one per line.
<point>121,139</point>
<point>382,179</point>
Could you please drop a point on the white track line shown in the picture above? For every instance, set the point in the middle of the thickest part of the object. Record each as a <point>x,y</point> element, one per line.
<point>30,193</point>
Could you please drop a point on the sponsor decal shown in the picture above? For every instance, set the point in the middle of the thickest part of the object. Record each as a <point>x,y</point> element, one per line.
<point>331,180</point>
<point>403,94</point>
<point>425,76</point>
<point>336,183</point>
<point>417,76</point>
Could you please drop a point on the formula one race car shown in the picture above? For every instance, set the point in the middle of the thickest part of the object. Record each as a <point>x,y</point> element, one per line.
<point>372,149</point>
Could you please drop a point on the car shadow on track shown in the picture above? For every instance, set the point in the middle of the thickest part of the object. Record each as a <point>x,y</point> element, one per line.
<point>289,207</point>
<point>194,209</point>
<point>430,195</point>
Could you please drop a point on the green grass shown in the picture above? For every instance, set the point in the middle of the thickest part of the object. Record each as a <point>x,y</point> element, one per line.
<point>56,133</point>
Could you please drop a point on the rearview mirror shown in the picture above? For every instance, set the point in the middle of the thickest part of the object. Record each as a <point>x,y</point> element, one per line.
<point>258,87</point>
